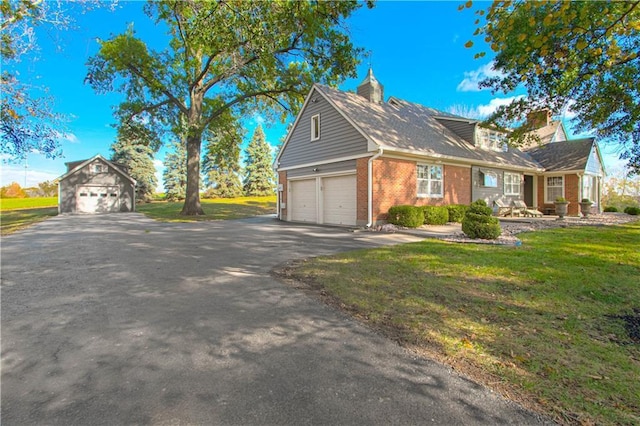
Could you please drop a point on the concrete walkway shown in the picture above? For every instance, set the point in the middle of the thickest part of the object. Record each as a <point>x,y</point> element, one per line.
<point>116,319</point>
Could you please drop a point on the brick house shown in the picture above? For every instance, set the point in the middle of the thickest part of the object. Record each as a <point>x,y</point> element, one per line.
<point>349,157</point>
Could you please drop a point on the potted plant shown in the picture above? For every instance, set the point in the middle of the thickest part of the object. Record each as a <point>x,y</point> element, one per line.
<point>585,207</point>
<point>561,205</point>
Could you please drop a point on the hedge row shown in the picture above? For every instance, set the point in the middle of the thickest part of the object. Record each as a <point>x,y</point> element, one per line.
<point>414,216</point>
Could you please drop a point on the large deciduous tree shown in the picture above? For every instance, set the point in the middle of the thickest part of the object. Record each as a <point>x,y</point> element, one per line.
<point>259,177</point>
<point>222,56</point>
<point>578,55</point>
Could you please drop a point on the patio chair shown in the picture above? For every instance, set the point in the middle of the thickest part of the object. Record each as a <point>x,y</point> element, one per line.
<point>521,206</point>
<point>504,209</point>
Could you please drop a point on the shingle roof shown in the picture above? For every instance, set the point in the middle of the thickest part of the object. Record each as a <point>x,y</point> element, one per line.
<point>406,126</point>
<point>563,156</point>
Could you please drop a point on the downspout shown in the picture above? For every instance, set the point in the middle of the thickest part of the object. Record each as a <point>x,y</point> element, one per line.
<point>370,186</point>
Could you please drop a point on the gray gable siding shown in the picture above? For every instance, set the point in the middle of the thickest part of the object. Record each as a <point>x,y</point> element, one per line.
<point>593,164</point>
<point>68,186</point>
<point>338,138</point>
<point>463,129</point>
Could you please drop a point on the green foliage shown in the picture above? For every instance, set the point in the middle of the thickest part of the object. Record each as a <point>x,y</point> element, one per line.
<point>478,222</point>
<point>132,150</point>
<point>27,203</point>
<point>259,177</point>
<point>221,164</point>
<point>407,216</point>
<point>174,176</point>
<point>457,212</point>
<point>225,59</point>
<point>634,211</point>
<point>610,209</point>
<point>435,215</point>
<point>584,54</point>
<point>48,188</point>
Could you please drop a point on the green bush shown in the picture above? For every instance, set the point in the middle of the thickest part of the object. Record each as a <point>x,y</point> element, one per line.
<point>435,215</point>
<point>457,212</point>
<point>611,209</point>
<point>478,222</point>
<point>407,216</point>
<point>634,211</point>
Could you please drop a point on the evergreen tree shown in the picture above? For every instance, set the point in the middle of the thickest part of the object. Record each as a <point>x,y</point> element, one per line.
<point>221,163</point>
<point>174,176</point>
<point>259,176</point>
<point>134,152</point>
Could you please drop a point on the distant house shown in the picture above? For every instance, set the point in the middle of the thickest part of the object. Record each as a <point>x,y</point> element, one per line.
<point>349,157</point>
<point>96,185</point>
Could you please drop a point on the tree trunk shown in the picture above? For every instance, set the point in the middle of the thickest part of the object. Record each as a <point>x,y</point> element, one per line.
<point>192,205</point>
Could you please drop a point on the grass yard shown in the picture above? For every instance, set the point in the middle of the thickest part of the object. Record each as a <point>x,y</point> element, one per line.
<point>215,209</point>
<point>549,323</point>
<point>27,203</point>
<point>13,220</point>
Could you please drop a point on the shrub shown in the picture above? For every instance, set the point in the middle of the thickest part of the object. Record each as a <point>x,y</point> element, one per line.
<point>435,215</point>
<point>407,216</point>
<point>610,209</point>
<point>456,212</point>
<point>634,211</point>
<point>478,222</point>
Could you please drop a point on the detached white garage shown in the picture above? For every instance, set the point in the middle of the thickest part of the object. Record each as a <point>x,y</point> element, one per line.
<point>325,200</point>
<point>96,185</point>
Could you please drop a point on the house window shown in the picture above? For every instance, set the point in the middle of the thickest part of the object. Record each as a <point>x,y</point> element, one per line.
<point>554,188</point>
<point>315,127</point>
<point>512,183</point>
<point>589,188</point>
<point>491,139</point>
<point>98,168</point>
<point>429,180</point>
<point>488,179</point>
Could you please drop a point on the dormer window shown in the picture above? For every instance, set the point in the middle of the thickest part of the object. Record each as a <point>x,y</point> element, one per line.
<point>98,168</point>
<point>491,140</point>
<point>315,127</point>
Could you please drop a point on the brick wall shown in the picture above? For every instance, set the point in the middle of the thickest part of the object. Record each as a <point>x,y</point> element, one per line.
<point>362,191</point>
<point>571,193</point>
<point>395,183</point>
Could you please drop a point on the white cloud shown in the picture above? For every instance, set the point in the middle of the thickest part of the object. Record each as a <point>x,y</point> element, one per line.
<point>473,78</point>
<point>494,104</point>
<point>567,112</point>
<point>11,173</point>
<point>159,165</point>
<point>67,137</point>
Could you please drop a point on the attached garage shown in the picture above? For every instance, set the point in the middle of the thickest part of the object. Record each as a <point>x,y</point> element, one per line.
<point>325,200</point>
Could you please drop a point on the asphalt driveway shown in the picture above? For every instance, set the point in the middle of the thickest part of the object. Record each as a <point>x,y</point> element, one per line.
<point>116,319</point>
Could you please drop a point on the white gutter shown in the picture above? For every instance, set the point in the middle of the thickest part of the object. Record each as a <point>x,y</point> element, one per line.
<point>370,186</point>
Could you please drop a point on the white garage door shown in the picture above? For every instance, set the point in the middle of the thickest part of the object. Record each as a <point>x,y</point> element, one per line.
<point>339,200</point>
<point>97,199</point>
<point>303,200</point>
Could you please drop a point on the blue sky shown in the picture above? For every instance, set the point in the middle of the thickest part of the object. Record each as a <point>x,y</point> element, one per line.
<point>417,53</point>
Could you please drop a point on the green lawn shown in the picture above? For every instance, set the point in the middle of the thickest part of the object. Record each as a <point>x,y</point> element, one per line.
<point>215,209</point>
<point>27,203</point>
<point>539,323</point>
<point>13,220</point>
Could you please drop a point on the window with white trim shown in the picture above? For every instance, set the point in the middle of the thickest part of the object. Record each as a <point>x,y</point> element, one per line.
<point>554,188</point>
<point>491,139</point>
<point>429,178</point>
<point>512,183</point>
<point>315,127</point>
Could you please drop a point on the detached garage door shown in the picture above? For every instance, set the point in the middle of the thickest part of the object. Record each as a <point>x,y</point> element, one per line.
<point>303,200</point>
<point>339,200</point>
<point>97,199</point>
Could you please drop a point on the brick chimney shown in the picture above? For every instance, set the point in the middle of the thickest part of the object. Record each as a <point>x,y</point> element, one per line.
<point>371,89</point>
